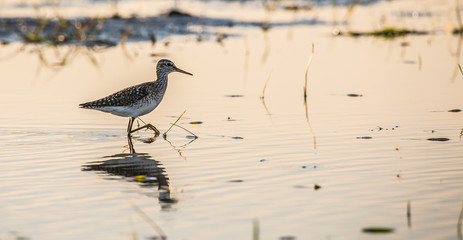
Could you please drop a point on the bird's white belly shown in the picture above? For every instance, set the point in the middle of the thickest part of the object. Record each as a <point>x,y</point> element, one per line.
<point>131,111</point>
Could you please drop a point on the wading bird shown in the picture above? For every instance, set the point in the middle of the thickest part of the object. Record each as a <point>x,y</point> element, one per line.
<point>137,100</point>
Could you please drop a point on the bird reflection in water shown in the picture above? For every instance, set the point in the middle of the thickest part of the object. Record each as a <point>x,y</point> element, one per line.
<point>139,167</point>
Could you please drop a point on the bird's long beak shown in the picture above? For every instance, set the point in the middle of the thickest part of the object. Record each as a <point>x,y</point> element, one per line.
<point>181,71</point>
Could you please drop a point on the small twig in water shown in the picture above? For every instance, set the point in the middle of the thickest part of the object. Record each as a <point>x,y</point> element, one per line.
<point>265,87</point>
<point>461,71</point>
<point>194,135</point>
<point>165,133</point>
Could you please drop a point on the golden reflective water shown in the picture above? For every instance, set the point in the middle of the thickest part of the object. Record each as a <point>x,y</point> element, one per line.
<point>369,154</point>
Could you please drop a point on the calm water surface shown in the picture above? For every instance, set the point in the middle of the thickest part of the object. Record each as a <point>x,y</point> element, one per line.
<point>67,173</point>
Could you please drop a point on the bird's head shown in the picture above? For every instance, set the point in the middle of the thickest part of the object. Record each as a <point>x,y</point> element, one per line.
<point>166,66</point>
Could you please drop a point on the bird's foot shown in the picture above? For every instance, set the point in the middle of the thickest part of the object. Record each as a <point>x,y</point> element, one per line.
<point>147,126</point>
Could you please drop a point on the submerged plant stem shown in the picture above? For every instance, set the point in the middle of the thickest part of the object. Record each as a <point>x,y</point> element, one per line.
<point>457,9</point>
<point>307,71</point>
<point>149,221</point>
<point>409,214</point>
<point>255,230</point>
<point>460,218</point>
<point>265,87</point>
<point>305,99</point>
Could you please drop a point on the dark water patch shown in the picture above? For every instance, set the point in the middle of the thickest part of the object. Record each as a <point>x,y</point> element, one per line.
<point>409,62</point>
<point>405,44</point>
<point>236,180</point>
<point>386,33</point>
<point>364,137</point>
<point>378,229</point>
<point>298,7</point>
<point>231,119</point>
<point>438,139</point>
<point>234,95</point>
<point>232,137</point>
<point>287,238</point>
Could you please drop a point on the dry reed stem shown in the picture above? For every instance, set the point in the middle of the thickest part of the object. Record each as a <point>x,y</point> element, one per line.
<point>307,71</point>
<point>165,134</point>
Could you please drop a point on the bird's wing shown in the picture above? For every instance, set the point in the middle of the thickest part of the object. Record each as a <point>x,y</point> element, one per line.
<point>124,97</point>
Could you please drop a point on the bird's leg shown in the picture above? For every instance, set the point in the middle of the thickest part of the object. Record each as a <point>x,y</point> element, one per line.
<point>148,126</point>
<point>129,127</point>
<point>130,144</point>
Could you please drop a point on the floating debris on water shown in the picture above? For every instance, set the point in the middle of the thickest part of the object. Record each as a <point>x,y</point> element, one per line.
<point>287,238</point>
<point>234,95</point>
<point>196,122</point>
<point>438,139</point>
<point>294,7</point>
<point>176,13</point>
<point>237,137</point>
<point>354,95</point>
<point>316,187</point>
<point>365,137</point>
<point>262,160</point>
<point>378,128</point>
<point>221,37</point>
<point>409,62</point>
<point>455,110</point>
<point>236,180</point>
<point>405,44</point>
<point>377,229</point>
<point>387,33</point>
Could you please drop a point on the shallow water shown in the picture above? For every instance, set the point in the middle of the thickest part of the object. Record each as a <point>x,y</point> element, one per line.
<point>252,162</point>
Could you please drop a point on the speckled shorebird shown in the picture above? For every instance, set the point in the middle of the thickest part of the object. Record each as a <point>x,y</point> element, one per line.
<point>137,100</point>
